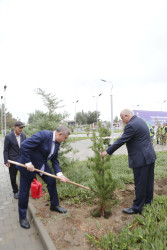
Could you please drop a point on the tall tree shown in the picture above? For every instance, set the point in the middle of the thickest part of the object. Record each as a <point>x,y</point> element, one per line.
<point>87,118</point>
<point>10,121</point>
<point>49,100</point>
<point>49,120</point>
<point>81,118</point>
<point>93,117</point>
<point>40,120</point>
<point>116,119</point>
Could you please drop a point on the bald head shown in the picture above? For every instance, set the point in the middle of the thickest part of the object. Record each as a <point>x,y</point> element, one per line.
<point>126,115</point>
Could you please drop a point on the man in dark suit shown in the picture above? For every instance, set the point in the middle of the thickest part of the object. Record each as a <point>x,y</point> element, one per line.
<point>35,152</point>
<point>141,156</point>
<point>11,151</point>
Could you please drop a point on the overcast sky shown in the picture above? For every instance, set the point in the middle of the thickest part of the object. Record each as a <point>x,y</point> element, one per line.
<point>65,47</point>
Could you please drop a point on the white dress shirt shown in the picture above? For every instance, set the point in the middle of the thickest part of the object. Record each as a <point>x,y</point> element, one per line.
<point>18,139</point>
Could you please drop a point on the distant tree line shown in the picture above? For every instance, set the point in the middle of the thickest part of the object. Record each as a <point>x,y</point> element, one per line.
<point>83,118</point>
<point>39,120</point>
<point>10,121</point>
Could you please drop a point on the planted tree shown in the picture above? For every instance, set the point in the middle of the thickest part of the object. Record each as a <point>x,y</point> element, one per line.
<point>103,184</point>
<point>106,132</point>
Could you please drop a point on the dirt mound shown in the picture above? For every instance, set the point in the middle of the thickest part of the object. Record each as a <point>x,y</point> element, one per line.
<point>68,230</point>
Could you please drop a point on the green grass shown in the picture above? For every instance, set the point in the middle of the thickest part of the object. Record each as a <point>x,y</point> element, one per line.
<point>78,172</point>
<point>161,165</point>
<point>148,231</point>
<point>74,139</point>
<point>79,133</point>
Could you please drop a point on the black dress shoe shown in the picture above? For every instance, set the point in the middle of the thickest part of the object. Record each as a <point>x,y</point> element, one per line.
<point>16,195</point>
<point>58,209</point>
<point>130,211</point>
<point>24,223</point>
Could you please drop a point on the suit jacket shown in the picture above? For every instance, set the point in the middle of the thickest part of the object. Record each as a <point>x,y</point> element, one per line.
<point>36,149</point>
<point>138,141</point>
<point>11,147</point>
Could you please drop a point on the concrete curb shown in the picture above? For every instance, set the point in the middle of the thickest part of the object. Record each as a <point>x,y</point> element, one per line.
<point>43,234</point>
<point>46,240</point>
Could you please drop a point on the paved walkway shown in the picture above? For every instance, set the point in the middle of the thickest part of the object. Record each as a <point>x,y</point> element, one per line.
<point>82,150</point>
<point>12,236</point>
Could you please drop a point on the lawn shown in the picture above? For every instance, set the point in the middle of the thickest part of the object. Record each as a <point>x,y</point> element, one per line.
<point>146,231</point>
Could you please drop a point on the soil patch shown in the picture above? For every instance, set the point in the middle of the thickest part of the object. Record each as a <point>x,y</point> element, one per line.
<point>68,230</point>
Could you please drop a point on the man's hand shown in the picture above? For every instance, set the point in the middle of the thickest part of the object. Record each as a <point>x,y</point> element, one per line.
<point>63,179</point>
<point>104,153</point>
<point>8,165</point>
<point>30,168</point>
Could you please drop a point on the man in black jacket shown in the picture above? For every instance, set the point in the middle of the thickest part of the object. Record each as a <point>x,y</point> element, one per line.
<point>11,151</point>
<point>141,156</point>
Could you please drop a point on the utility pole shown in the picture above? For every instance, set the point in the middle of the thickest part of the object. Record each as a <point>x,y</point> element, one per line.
<point>75,112</point>
<point>5,107</point>
<point>2,116</point>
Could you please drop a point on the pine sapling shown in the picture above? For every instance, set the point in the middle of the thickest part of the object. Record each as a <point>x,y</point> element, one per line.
<point>103,184</point>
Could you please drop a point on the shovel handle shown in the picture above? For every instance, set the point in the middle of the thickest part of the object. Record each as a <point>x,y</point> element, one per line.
<point>45,173</point>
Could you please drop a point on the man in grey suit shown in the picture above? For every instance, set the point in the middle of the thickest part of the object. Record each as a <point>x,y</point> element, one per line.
<point>141,156</point>
<point>11,151</point>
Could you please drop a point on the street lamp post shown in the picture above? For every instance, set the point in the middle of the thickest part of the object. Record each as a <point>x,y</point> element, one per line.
<point>111,100</point>
<point>75,111</point>
<point>2,116</point>
<point>134,107</point>
<point>97,107</point>
<point>5,106</point>
<point>162,104</point>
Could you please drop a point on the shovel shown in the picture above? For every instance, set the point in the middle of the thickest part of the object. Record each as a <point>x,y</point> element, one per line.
<point>51,175</point>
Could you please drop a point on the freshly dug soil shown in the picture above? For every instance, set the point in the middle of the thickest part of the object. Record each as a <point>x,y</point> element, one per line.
<point>68,230</point>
